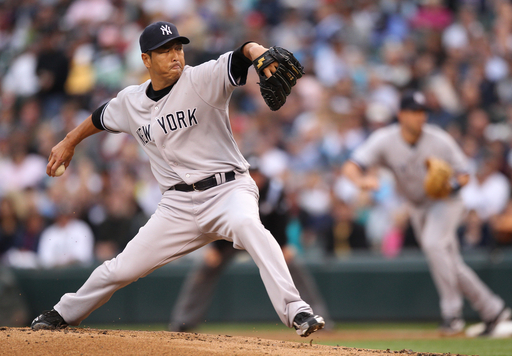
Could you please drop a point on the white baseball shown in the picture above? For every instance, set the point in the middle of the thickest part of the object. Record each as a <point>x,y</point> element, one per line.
<point>60,171</point>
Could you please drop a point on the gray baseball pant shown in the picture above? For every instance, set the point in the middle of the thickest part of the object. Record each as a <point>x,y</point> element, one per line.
<point>199,287</point>
<point>435,226</point>
<point>182,223</point>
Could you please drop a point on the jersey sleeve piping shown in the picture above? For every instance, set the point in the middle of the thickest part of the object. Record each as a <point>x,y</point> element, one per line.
<point>231,79</point>
<point>99,122</point>
<point>103,123</point>
<point>96,117</point>
<point>238,66</point>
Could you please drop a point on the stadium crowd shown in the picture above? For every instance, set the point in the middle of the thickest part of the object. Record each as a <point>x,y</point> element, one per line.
<point>61,59</point>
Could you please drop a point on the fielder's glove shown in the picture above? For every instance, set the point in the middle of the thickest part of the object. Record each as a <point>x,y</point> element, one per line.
<point>437,181</point>
<point>276,88</point>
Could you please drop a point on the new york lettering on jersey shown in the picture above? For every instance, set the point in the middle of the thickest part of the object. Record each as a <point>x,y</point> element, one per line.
<point>171,122</point>
<point>178,120</point>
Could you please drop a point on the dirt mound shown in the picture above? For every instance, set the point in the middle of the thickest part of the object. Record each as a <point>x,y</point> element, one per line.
<point>84,341</point>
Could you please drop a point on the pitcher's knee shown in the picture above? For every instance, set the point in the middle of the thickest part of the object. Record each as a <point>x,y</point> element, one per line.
<point>245,225</point>
<point>248,231</point>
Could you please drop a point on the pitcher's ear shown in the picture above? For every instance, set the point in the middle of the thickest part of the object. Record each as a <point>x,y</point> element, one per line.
<point>146,58</point>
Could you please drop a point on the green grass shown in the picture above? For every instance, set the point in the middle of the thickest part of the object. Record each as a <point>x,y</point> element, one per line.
<point>464,346</point>
<point>482,347</point>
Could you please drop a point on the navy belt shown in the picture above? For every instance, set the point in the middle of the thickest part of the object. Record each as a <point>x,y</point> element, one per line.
<point>206,183</point>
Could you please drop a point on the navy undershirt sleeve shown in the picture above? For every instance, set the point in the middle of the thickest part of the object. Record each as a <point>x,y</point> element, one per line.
<point>239,65</point>
<point>96,117</point>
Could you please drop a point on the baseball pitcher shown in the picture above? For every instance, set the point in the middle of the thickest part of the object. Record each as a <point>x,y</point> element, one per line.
<point>180,119</point>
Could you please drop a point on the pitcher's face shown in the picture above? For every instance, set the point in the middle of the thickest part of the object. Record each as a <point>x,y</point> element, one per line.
<point>166,62</point>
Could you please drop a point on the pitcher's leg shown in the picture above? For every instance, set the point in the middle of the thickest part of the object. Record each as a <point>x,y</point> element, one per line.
<point>308,289</point>
<point>156,244</point>
<point>234,215</point>
<point>267,255</point>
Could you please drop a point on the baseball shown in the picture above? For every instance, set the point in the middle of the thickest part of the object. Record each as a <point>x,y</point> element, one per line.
<point>60,170</point>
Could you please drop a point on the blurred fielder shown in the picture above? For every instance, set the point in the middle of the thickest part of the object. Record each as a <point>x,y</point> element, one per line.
<point>430,169</point>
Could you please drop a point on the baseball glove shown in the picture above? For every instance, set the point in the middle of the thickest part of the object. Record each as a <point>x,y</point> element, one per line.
<point>276,88</point>
<point>437,181</point>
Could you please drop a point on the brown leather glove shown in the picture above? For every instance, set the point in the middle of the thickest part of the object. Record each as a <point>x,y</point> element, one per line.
<point>437,181</point>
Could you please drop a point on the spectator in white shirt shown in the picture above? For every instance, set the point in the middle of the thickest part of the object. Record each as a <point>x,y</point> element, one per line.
<point>488,190</point>
<point>68,241</point>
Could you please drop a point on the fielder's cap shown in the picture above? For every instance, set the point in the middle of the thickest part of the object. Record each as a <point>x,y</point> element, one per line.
<point>413,100</point>
<point>159,33</point>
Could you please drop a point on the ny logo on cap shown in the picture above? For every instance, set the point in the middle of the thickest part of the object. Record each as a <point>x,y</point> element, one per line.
<point>166,30</point>
<point>419,98</point>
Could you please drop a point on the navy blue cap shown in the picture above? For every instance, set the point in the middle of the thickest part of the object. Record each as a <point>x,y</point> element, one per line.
<point>159,33</point>
<point>413,100</point>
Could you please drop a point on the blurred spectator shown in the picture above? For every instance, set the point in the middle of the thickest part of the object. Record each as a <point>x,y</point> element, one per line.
<point>488,191</point>
<point>464,30</point>
<point>474,232</point>
<point>88,12</point>
<point>21,79</point>
<point>330,64</point>
<point>501,226</point>
<point>394,69</point>
<point>432,15</point>
<point>9,225</point>
<point>23,253</point>
<point>21,169</point>
<point>315,201</point>
<point>33,225</point>
<point>292,32</point>
<point>122,221</point>
<point>346,234</point>
<point>60,60</point>
<point>437,114</point>
<point>52,69</point>
<point>485,196</point>
<point>68,241</point>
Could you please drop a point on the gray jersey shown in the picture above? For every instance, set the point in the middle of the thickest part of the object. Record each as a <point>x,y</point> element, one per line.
<point>185,130</point>
<point>186,134</point>
<point>387,147</point>
<point>434,221</point>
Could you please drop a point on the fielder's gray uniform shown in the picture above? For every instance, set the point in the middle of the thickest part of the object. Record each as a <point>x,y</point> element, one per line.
<point>187,135</point>
<point>434,221</point>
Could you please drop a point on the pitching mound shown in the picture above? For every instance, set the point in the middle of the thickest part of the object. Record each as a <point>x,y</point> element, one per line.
<point>79,341</point>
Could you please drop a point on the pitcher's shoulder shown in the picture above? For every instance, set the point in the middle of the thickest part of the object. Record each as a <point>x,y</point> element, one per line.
<point>132,90</point>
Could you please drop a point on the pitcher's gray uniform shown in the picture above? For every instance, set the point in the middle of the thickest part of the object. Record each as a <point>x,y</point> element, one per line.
<point>187,135</point>
<point>434,221</point>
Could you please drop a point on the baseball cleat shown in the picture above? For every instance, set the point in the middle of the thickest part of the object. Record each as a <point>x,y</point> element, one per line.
<point>305,323</point>
<point>504,315</point>
<point>48,320</point>
<point>452,326</point>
